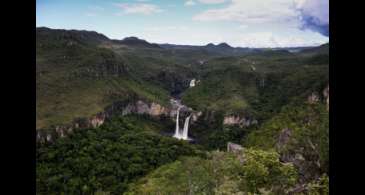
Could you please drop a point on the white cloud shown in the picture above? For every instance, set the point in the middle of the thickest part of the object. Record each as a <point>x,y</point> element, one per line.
<point>269,39</point>
<point>192,2</point>
<point>192,35</point>
<point>314,15</point>
<point>315,8</point>
<point>301,14</point>
<point>212,1</point>
<point>247,23</point>
<point>189,3</point>
<point>139,8</point>
<point>251,11</point>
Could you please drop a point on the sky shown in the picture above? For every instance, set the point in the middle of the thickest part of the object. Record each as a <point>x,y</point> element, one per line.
<point>240,23</point>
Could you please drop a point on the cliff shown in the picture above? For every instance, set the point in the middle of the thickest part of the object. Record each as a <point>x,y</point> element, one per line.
<point>118,108</point>
<point>241,121</point>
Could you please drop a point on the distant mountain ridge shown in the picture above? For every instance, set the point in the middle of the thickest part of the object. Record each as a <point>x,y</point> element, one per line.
<point>135,41</point>
<point>322,49</point>
<point>222,48</point>
<point>95,37</point>
<point>80,36</point>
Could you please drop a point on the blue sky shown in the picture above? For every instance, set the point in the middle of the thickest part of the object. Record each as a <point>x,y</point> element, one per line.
<point>245,23</point>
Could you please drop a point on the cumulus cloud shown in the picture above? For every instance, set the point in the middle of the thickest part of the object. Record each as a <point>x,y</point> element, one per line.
<point>139,8</point>
<point>212,1</point>
<point>305,14</point>
<point>233,38</point>
<point>250,11</point>
<point>268,39</point>
<point>189,3</point>
<point>314,15</point>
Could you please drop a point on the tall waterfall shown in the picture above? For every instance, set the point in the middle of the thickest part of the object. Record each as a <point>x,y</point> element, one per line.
<point>186,128</point>
<point>177,129</point>
<point>178,134</point>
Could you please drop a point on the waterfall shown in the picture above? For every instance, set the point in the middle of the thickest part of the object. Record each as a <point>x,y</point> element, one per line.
<point>177,123</point>
<point>186,128</point>
<point>184,134</point>
<point>192,83</point>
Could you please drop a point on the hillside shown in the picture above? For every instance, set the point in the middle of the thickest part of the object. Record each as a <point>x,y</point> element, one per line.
<point>78,76</point>
<point>107,112</point>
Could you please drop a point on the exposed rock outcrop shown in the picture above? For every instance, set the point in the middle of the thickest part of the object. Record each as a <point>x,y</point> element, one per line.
<point>118,108</point>
<point>307,164</point>
<point>97,120</point>
<point>138,107</point>
<point>313,98</point>
<point>316,97</point>
<point>284,138</point>
<point>238,120</point>
<point>326,95</point>
<point>123,108</point>
<point>234,148</point>
<point>195,116</point>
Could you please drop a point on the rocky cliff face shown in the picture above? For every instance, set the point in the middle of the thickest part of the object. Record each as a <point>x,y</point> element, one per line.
<point>195,116</point>
<point>118,108</point>
<point>234,148</point>
<point>238,120</point>
<point>97,120</point>
<point>307,163</point>
<point>316,97</point>
<point>139,107</point>
<point>313,98</point>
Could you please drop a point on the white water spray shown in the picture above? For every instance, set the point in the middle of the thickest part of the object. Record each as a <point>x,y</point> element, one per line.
<point>192,83</point>
<point>177,129</point>
<point>186,128</point>
<point>178,134</point>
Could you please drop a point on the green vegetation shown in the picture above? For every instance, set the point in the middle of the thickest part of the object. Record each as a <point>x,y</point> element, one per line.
<point>257,84</point>
<point>78,78</point>
<point>254,171</point>
<point>106,158</point>
<point>81,73</point>
<point>309,135</point>
<point>222,90</point>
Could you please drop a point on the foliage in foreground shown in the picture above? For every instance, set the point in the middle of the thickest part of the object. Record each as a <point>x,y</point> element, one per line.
<point>254,171</point>
<point>309,137</point>
<point>104,159</point>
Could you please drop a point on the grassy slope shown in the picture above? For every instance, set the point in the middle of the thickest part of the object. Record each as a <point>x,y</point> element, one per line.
<point>81,72</point>
<point>78,78</point>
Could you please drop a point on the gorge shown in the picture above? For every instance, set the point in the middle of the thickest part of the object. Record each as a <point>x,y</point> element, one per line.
<point>130,117</point>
